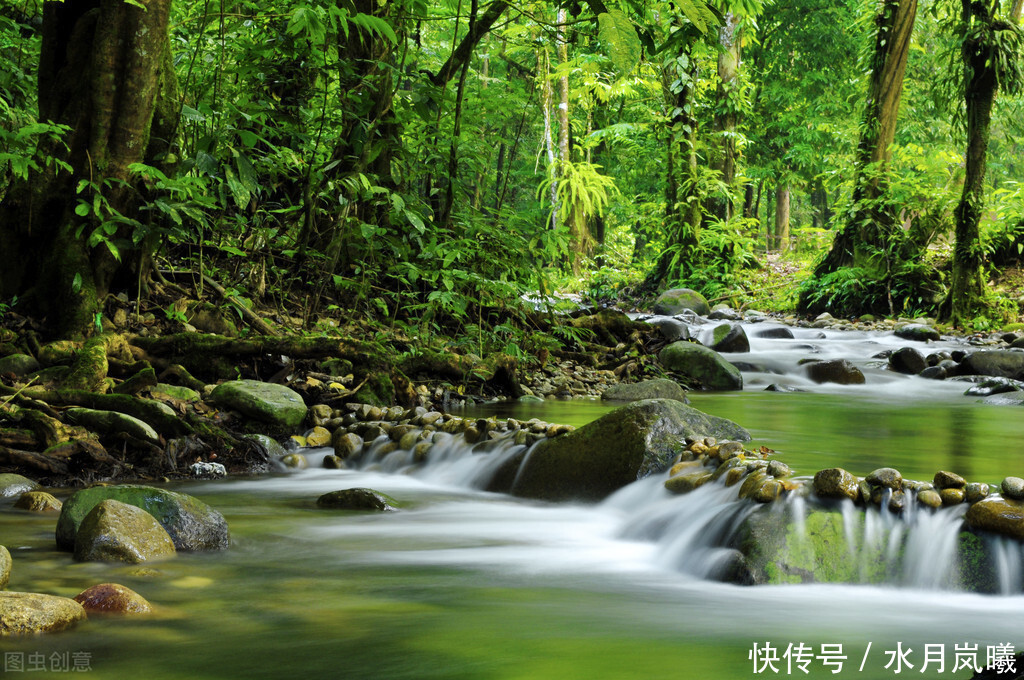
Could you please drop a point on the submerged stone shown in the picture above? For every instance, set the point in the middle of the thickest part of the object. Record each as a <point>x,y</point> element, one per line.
<point>38,501</point>
<point>113,598</point>
<point>6,564</point>
<point>32,613</point>
<point>357,499</point>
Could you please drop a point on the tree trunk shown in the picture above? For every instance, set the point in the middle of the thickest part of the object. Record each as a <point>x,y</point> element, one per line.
<point>782,216</point>
<point>104,67</point>
<point>683,208</point>
<point>870,225</point>
<point>726,117</point>
<point>967,287</point>
<point>453,152</point>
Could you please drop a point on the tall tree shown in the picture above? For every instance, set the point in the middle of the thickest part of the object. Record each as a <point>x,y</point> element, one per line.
<point>871,223</point>
<point>106,72</point>
<point>991,50</point>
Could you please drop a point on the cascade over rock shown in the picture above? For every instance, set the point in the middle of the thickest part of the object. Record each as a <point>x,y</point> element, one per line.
<point>622,446</point>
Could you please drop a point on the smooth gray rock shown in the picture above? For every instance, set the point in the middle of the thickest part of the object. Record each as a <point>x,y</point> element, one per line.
<point>1013,487</point>
<point>671,329</point>
<point>15,485</point>
<point>907,360</point>
<point>839,371</point>
<point>775,333</point>
<point>1000,363</point>
<point>275,405</point>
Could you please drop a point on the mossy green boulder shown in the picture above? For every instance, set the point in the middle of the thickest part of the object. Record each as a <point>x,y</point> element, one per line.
<point>165,391</point>
<point>678,300</point>
<point>118,532</point>
<point>32,613</point>
<point>658,388</point>
<point>18,364</point>
<point>627,444</point>
<point>276,405</point>
<point>700,366</point>
<point>192,524</point>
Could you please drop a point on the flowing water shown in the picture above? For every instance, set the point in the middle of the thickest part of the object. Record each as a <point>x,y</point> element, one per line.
<point>465,584</point>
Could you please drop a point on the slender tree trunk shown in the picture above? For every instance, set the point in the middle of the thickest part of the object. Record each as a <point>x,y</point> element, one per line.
<point>871,223</point>
<point>726,116</point>
<point>453,152</point>
<point>782,216</point>
<point>104,69</point>
<point>549,140</point>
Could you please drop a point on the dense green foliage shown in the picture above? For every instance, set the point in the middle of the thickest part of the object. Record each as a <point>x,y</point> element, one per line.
<point>429,163</point>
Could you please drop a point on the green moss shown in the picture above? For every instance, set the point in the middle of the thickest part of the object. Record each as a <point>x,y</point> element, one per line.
<point>378,391</point>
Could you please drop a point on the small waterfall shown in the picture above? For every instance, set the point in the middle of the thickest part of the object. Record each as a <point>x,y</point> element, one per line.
<point>930,551</point>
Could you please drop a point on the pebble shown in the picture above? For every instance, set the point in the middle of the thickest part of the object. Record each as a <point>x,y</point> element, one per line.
<point>1013,487</point>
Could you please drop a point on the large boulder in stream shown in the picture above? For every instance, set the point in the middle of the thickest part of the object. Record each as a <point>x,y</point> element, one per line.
<point>118,532</point>
<point>658,388</point>
<point>838,371</point>
<point>678,300</point>
<point>701,365</point>
<point>997,515</point>
<point>276,405</point>
<point>15,485</point>
<point>192,524</point>
<point>627,444</point>
<point>729,337</point>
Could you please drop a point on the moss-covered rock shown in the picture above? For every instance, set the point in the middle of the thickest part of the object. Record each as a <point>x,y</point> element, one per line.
<point>192,524</point>
<point>620,447</point>
<point>729,337</point>
<point>658,388</point>
<point>678,300</point>
<point>700,366</point>
<point>18,364</point>
<point>32,613</point>
<point>118,532</point>
<point>166,391</point>
<point>113,598</point>
<point>777,551</point>
<point>111,422</point>
<point>276,405</point>
<point>15,485</point>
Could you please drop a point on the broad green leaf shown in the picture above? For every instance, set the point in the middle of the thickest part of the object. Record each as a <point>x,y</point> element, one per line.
<point>619,36</point>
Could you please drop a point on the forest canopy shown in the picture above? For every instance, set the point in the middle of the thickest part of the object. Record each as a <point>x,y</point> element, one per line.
<point>431,164</point>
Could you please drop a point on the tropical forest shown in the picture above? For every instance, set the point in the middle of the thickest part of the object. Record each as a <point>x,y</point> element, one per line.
<point>484,339</point>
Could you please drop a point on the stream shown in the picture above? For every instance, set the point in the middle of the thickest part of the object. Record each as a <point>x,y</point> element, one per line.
<point>466,584</point>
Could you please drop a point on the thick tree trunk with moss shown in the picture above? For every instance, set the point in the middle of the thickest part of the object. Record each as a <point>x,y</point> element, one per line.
<point>967,288</point>
<point>105,71</point>
<point>871,223</point>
